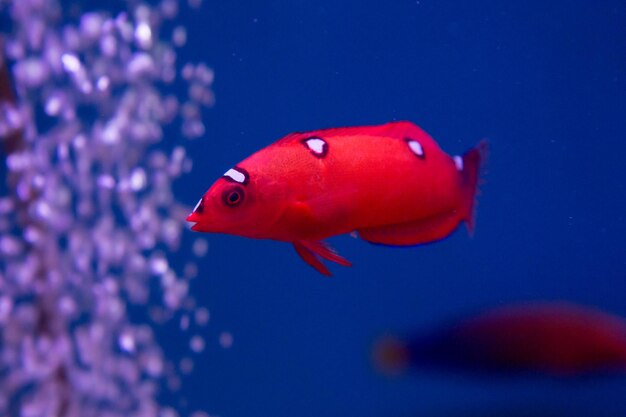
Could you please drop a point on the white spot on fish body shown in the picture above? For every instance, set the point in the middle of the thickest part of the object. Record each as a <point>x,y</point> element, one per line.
<point>317,146</point>
<point>458,161</point>
<point>235,175</point>
<point>416,147</point>
<point>197,205</point>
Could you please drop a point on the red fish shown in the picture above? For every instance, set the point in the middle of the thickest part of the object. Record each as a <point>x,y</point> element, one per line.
<point>556,339</point>
<point>391,183</point>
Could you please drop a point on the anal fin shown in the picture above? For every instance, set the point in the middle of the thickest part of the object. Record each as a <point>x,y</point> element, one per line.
<point>310,250</point>
<point>416,232</point>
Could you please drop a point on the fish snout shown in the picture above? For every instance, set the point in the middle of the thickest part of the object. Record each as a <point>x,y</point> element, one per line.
<point>200,227</point>
<point>194,227</point>
<point>196,221</point>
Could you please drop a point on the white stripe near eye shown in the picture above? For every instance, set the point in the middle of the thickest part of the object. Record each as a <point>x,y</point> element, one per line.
<point>197,205</point>
<point>235,175</point>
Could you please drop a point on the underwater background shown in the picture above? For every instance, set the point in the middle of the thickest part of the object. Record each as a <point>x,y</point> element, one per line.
<point>543,82</point>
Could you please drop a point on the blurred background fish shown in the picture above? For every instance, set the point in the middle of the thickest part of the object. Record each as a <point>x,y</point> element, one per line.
<point>522,411</point>
<point>556,339</point>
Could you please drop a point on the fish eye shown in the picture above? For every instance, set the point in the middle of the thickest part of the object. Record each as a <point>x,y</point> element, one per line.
<point>233,196</point>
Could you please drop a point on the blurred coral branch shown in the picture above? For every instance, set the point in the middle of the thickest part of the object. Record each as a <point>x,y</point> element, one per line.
<point>14,139</point>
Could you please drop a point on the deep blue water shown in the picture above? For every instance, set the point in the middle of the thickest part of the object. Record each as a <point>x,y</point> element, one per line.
<point>544,82</point>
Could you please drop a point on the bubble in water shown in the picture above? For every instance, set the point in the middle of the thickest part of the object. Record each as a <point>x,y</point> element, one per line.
<point>197,344</point>
<point>179,36</point>
<point>226,340</point>
<point>143,35</point>
<point>202,316</point>
<point>71,63</point>
<point>127,341</point>
<point>90,221</point>
<point>186,365</point>
<point>200,247</point>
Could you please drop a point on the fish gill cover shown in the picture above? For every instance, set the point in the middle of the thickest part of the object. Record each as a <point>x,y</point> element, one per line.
<point>88,220</point>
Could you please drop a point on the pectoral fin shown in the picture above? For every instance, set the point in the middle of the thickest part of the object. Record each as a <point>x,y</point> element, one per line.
<point>309,251</point>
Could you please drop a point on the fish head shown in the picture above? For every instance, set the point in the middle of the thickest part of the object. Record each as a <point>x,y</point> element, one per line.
<point>244,202</point>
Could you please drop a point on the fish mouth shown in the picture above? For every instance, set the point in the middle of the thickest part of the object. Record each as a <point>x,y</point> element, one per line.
<point>202,222</point>
<point>199,227</point>
<point>195,222</point>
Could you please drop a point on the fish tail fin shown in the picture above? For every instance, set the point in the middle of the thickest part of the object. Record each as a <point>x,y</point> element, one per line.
<point>471,168</point>
<point>390,355</point>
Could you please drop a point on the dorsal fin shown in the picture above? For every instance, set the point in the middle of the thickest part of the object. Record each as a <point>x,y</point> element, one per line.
<point>399,129</point>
